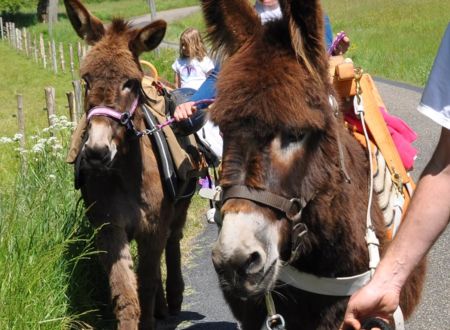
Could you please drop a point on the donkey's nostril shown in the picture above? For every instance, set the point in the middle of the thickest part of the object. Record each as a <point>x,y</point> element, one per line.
<point>254,263</point>
<point>97,155</point>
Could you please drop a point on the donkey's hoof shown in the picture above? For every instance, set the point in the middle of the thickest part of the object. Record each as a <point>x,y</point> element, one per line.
<point>175,309</point>
<point>149,324</point>
<point>161,312</point>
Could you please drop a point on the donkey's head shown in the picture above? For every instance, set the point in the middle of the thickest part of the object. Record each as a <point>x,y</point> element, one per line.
<point>112,76</point>
<point>278,127</point>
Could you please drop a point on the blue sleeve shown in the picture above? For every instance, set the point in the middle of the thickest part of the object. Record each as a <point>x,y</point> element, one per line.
<point>328,32</point>
<point>208,89</point>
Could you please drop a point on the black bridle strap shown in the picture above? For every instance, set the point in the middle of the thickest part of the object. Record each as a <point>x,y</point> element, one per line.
<point>291,207</point>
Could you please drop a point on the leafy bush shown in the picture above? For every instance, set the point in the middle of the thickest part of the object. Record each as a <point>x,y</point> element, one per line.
<point>13,6</point>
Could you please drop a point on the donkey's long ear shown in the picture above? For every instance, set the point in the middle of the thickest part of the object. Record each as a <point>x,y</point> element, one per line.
<point>230,23</point>
<point>87,26</point>
<point>306,28</point>
<point>149,37</point>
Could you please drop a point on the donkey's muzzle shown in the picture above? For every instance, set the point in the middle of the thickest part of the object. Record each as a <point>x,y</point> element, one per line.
<point>97,157</point>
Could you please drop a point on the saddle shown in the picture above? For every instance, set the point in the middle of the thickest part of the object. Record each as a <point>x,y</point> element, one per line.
<point>392,182</point>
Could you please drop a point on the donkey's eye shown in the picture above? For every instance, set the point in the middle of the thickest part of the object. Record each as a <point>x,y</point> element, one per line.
<point>289,138</point>
<point>130,85</point>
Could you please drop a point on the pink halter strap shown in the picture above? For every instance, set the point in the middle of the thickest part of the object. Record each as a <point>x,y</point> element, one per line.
<point>110,112</point>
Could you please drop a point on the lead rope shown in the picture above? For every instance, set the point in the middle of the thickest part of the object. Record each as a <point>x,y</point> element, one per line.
<point>274,321</point>
<point>371,237</point>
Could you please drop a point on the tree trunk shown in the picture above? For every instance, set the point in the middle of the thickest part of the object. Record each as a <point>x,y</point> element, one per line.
<point>42,14</point>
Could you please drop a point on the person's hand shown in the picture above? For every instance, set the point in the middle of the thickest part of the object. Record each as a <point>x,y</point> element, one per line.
<point>370,301</point>
<point>342,46</point>
<point>184,111</point>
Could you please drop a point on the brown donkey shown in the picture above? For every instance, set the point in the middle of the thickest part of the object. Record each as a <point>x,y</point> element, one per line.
<point>121,183</point>
<point>295,182</point>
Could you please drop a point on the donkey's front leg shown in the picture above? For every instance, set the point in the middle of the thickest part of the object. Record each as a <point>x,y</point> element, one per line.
<point>174,282</point>
<point>151,293</point>
<point>116,258</point>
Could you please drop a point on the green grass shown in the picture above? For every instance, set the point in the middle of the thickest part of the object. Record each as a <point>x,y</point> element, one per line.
<point>176,28</point>
<point>51,278</point>
<point>37,228</point>
<point>396,39</point>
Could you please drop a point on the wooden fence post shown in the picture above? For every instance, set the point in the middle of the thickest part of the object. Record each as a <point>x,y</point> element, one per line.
<point>72,69</point>
<point>21,120</point>
<point>29,43</point>
<point>7,32</point>
<point>50,103</point>
<point>53,52</point>
<point>14,37</point>
<point>61,57</point>
<point>42,48</point>
<point>72,111</point>
<point>1,27</point>
<point>79,53</point>
<point>78,99</point>
<point>25,41</point>
<point>35,50</point>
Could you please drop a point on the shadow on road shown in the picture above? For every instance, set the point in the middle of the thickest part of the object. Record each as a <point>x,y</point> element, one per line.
<point>186,319</point>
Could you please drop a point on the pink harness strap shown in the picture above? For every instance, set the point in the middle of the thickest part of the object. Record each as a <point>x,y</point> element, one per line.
<point>110,112</point>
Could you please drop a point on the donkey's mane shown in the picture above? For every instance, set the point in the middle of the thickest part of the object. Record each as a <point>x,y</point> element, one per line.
<point>119,25</point>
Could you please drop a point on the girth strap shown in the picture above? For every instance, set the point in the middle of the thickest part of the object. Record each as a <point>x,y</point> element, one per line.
<point>291,207</point>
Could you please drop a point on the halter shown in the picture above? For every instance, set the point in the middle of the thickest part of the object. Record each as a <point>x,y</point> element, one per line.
<point>123,118</point>
<point>291,207</point>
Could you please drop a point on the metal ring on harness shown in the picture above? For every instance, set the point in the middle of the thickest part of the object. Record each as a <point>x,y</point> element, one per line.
<point>125,118</point>
<point>275,322</point>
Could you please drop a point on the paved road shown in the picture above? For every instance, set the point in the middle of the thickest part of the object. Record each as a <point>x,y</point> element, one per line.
<point>167,15</point>
<point>204,307</point>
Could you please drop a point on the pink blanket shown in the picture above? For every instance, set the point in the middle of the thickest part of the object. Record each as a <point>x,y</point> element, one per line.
<point>401,133</point>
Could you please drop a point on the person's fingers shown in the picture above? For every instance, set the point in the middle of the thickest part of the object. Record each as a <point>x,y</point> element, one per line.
<point>350,323</point>
<point>184,111</point>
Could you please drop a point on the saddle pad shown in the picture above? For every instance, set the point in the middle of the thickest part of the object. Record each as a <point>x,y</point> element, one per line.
<point>188,161</point>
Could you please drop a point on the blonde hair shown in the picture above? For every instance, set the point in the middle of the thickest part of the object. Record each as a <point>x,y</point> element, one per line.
<point>191,44</point>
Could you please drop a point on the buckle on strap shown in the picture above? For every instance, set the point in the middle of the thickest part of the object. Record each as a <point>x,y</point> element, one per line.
<point>125,118</point>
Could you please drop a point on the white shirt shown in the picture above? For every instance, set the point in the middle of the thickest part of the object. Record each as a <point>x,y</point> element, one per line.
<point>192,72</point>
<point>267,14</point>
<point>435,102</point>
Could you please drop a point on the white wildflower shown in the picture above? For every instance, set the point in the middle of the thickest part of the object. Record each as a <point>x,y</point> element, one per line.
<point>57,147</point>
<point>38,147</point>
<point>17,137</point>
<point>6,140</point>
<point>52,176</point>
<point>21,150</point>
<point>51,139</point>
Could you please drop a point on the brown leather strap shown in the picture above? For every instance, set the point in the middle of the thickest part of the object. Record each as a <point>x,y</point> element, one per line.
<point>291,207</point>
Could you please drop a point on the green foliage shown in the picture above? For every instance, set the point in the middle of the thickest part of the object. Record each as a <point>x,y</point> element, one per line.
<point>396,39</point>
<point>38,227</point>
<point>13,6</point>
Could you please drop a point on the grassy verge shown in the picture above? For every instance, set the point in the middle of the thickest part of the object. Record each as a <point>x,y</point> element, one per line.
<point>37,227</point>
<point>397,39</point>
<point>50,275</point>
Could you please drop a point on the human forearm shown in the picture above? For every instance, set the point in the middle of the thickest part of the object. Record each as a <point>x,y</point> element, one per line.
<point>427,217</point>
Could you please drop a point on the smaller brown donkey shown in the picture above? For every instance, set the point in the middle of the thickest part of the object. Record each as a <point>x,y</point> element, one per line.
<point>121,183</point>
